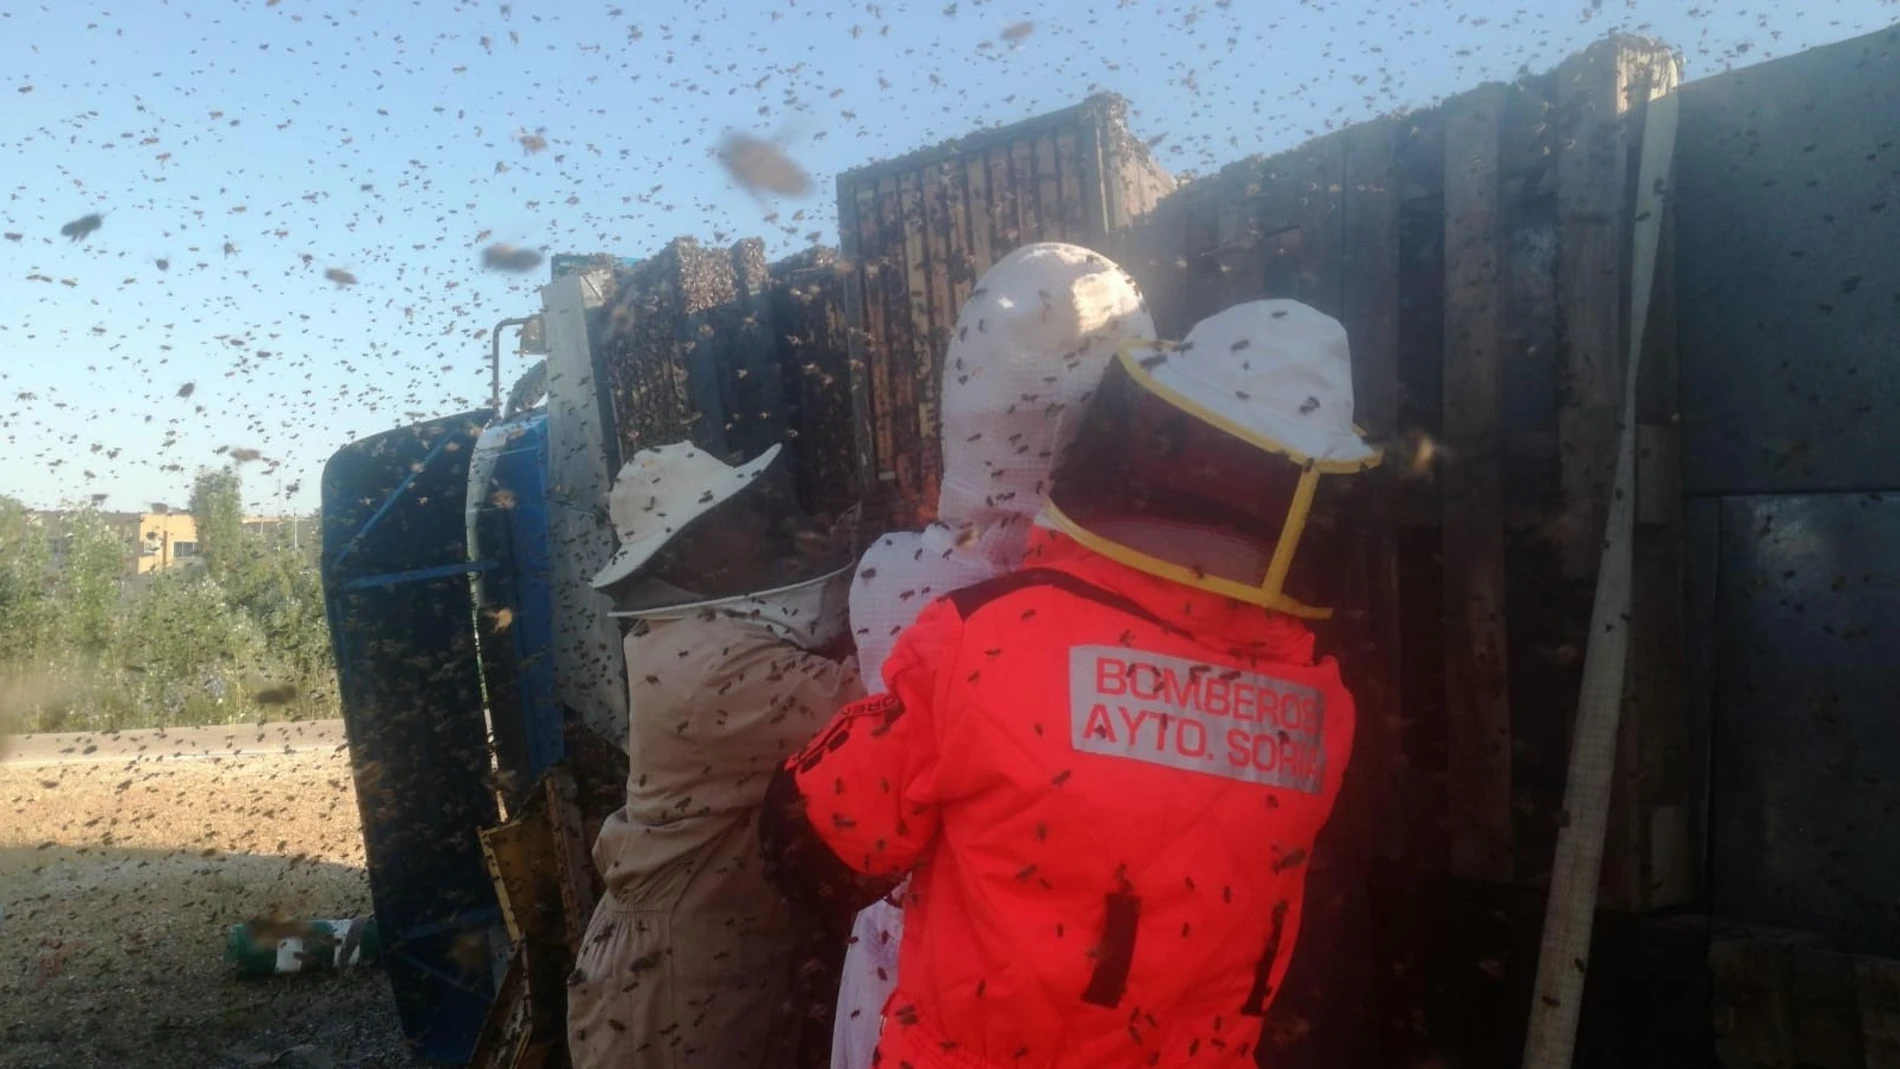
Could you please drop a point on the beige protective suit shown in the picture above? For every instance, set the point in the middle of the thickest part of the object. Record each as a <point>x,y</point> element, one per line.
<point>687,960</point>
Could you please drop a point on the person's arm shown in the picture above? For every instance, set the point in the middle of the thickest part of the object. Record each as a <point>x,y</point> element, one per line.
<point>849,815</point>
<point>720,704</point>
<point>780,695</point>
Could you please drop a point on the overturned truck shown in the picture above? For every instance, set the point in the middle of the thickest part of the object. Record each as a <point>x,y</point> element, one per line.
<point>1492,259</point>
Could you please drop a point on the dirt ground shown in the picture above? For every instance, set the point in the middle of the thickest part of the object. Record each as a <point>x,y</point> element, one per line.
<point>118,881</point>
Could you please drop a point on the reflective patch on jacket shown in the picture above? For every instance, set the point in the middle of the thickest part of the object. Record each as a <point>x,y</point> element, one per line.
<point>1197,717</point>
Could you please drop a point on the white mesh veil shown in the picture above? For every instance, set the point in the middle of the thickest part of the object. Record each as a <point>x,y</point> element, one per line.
<point>1029,348</point>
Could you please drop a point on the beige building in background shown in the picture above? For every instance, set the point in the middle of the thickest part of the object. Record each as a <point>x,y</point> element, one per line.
<point>155,541</point>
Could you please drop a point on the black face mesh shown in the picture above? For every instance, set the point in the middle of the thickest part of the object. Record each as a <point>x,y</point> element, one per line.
<point>784,546</point>
<point>1136,456</point>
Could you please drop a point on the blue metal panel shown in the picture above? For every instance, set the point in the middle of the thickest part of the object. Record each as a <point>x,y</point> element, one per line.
<point>440,571</point>
<point>1788,272</point>
<point>396,588</point>
<point>511,531</point>
<point>1788,316</point>
<point>1805,814</point>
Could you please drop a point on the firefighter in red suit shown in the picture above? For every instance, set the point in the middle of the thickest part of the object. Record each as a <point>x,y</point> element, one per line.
<point>1105,772</point>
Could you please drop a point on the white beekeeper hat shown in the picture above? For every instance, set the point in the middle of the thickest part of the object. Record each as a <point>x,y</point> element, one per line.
<point>1278,371</point>
<point>660,491</point>
<point>1030,346</point>
<point>1229,433</point>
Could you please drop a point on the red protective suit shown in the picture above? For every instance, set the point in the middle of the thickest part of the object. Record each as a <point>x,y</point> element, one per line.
<point>1108,785</point>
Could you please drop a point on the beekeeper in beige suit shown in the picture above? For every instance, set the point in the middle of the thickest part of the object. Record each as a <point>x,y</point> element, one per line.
<point>729,593</point>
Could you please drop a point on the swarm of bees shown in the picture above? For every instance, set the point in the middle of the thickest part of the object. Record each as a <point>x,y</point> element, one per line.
<point>760,166</point>
<point>394,347</point>
<point>500,257</point>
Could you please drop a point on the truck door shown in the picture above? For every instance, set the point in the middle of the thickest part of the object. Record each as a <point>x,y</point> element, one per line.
<point>396,587</point>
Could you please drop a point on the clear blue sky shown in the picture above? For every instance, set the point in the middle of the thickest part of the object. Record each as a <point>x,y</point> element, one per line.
<point>384,141</point>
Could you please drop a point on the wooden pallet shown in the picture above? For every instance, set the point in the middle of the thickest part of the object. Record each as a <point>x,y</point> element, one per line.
<point>547,888</point>
<point>1783,999</point>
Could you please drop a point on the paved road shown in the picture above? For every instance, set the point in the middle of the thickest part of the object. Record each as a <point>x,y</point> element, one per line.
<point>174,744</point>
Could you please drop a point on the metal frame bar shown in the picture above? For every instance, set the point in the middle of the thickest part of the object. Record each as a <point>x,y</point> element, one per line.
<point>417,575</point>
<point>390,502</point>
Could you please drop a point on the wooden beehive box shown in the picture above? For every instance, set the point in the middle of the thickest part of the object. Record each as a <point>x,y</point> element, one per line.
<point>807,308</point>
<point>1476,253</point>
<point>715,346</point>
<point>916,233</point>
<point>684,349</point>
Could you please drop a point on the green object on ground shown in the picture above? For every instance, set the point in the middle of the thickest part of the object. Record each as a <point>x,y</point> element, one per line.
<point>264,948</point>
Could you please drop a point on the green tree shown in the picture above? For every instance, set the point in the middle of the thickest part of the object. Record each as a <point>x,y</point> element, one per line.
<point>287,604</point>
<point>85,646</point>
<point>217,507</point>
<point>88,583</point>
<point>186,653</point>
<point>272,579</point>
<point>25,566</point>
<point>26,615</point>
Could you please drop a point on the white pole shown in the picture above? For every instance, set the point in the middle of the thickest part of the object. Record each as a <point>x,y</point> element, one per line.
<point>1570,912</point>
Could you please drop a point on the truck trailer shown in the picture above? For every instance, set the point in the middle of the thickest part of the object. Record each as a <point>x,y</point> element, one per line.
<point>1492,258</point>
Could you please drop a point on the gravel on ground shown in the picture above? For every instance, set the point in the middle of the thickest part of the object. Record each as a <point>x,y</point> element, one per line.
<point>118,882</point>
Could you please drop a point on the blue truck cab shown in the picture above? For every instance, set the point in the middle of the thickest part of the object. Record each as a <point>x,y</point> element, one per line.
<point>436,580</point>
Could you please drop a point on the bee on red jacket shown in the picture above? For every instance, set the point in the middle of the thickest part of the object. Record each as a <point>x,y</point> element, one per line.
<point>1153,720</point>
